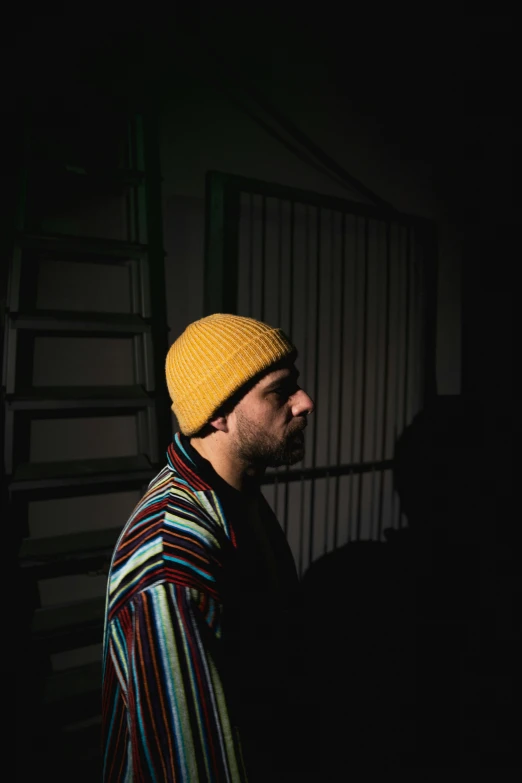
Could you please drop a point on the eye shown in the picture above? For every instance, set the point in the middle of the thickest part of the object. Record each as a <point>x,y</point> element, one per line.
<point>285,391</point>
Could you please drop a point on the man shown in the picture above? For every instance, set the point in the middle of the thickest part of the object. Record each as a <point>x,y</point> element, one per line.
<point>201,643</point>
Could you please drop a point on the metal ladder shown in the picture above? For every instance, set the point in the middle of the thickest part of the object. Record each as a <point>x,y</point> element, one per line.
<point>51,704</point>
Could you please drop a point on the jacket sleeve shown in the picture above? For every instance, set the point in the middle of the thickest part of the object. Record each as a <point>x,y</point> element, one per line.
<point>175,725</point>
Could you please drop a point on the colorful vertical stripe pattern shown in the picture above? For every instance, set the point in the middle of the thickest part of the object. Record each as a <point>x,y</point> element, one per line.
<point>165,713</point>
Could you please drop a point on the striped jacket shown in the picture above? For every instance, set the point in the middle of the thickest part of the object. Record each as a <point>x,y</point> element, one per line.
<point>168,707</point>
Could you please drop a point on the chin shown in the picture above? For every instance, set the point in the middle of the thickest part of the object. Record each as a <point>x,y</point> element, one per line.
<point>295,457</point>
<point>289,459</point>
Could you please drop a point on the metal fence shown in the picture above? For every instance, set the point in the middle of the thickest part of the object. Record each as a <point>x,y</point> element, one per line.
<point>354,287</point>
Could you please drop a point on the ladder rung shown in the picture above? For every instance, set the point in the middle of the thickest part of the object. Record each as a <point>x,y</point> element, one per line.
<point>49,475</point>
<point>74,397</point>
<point>63,321</point>
<point>79,553</point>
<point>67,545</point>
<point>81,247</point>
<point>67,565</point>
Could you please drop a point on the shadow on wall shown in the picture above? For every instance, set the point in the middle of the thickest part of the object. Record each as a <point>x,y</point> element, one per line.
<point>412,653</point>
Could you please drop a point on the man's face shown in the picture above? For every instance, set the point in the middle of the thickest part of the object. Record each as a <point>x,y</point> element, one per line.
<point>269,420</point>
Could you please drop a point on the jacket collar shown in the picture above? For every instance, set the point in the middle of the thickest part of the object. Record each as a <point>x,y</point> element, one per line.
<point>183,458</point>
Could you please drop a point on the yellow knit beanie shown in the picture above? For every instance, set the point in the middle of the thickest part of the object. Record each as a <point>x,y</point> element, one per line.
<point>213,358</point>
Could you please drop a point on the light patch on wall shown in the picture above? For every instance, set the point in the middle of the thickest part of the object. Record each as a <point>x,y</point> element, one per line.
<point>61,516</point>
<point>84,287</point>
<point>83,361</point>
<point>87,438</point>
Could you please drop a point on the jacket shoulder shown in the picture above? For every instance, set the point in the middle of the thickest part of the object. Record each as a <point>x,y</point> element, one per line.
<point>176,534</point>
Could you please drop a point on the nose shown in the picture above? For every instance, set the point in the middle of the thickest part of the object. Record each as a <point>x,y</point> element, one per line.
<point>302,405</point>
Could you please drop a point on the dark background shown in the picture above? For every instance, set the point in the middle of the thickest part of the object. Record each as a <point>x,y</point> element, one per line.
<point>441,91</point>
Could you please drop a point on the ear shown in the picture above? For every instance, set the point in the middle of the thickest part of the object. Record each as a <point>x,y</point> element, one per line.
<point>220,423</point>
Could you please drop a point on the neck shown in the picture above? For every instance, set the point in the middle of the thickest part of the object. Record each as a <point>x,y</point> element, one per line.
<point>239,474</point>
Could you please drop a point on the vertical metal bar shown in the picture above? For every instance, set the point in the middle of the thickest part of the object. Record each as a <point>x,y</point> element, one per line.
<point>363,379</point>
<point>429,244</point>
<point>23,285</point>
<point>418,337</point>
<point>375,391</point>
<point>340,406</point>
<point>8,426</point>
<point>263,255</point>
<point>301,527</point>
<point>276,491</point>
<point>330,384</point>
<point>407,332</point>
<point>290,331</point>
<point>9,355</point>
<point>143,369</point>
<point>385,381</point>
<point>10,359</point>
<point>251,254</point>
<point>280,262</point>
<point>145,303</point>
<point>305,365</point>
<point>132,268</point>
<point>398,349</point>
<point>316,371</point>
<point>354,366</point>
<point>415,399</point>
<point>139,343</point>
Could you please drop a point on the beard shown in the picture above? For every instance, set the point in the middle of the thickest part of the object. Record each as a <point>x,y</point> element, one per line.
<point>260,448</point>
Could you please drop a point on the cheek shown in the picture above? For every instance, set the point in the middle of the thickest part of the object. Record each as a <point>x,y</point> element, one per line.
<point>269,418</point>
<point>271,423</point>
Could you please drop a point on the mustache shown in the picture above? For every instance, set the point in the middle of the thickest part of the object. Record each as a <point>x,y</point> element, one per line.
<point>299,427</point>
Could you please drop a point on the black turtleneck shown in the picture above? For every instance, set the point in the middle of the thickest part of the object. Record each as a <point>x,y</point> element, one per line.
<point>260,539</point>
<point>262,627</point>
